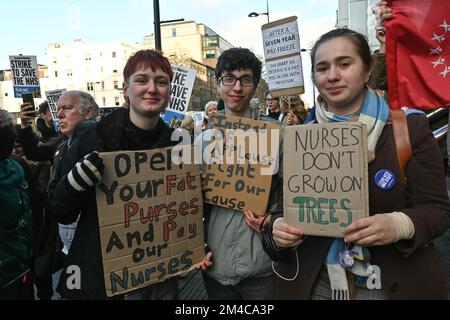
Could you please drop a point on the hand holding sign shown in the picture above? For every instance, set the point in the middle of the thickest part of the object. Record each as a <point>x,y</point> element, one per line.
<point>86,173</point>
<point>27,113</point>
<point>377,230</point>
<point>206,263</point>
<point>255,222</point>
<point>286,236</point>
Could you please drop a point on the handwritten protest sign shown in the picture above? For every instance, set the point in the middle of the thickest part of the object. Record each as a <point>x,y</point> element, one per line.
<point>240,174</point>
<point>283,57</point>
<point>325,177</point>
<point>150,216</point>
<point>25,75</point>
<point>181,90</point>
<point>52,99</point>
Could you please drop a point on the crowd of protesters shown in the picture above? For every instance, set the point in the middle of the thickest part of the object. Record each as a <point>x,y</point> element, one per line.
<point>49,222</point>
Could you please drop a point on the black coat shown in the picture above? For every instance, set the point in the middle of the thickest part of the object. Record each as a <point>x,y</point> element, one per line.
<point>410,269</point>
<point>66,205</point>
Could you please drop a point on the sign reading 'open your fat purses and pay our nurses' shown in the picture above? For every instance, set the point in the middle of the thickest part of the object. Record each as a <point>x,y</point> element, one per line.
<point>150,215</point>
<point>25,75</point>
<point>281,42</point>
<point>325,177</point>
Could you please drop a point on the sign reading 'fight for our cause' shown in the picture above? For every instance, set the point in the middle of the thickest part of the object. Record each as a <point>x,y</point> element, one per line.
<point>325,177</point>
<point>25,75</point>
<point>239,176</point>
<point>283,57</point>
<point>150,216</point>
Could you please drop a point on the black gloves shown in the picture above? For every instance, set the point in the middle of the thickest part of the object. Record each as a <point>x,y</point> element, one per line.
<point>86,172</point>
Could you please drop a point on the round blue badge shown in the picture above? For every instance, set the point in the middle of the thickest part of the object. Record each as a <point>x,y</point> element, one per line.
<point>385,179</point>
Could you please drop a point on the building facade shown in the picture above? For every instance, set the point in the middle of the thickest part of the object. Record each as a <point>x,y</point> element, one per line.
<point>357,15</point>
<point>97,68</point>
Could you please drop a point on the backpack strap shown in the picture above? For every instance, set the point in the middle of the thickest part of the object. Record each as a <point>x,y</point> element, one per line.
<point>401,139</point>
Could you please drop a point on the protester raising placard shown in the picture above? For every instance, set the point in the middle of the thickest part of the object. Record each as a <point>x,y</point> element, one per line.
<point>325,177</point>
<point>150,217</point>
<point>282,52</point>
<point>25,75</point>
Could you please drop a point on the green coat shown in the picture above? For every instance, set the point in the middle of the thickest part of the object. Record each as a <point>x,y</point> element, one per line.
<point>15,215</point>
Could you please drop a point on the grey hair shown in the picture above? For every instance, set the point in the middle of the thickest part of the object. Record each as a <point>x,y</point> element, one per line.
<point>86,101</point>
<point>6,119</point>
<point>209,105</point>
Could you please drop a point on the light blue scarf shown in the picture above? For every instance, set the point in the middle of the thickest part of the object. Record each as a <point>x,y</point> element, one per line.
<point>374,113</point>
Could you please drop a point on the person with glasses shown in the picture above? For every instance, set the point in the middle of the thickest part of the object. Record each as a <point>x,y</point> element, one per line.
<point>241,268</point>
<point>273,105</point>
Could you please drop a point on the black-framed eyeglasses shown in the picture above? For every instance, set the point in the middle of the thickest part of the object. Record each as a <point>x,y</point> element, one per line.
<point>230,81</point>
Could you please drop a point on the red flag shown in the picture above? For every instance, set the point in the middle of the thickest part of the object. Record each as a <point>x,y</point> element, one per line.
<point>418,54</point>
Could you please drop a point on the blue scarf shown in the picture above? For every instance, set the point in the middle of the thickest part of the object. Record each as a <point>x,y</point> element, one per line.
<point>374,113</point>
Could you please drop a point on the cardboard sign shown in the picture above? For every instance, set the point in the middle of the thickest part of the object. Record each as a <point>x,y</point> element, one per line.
<point>181,89</point>
<point>25,75</point>
<point>325,177</point>
<point>281,42</point>
<point>245,160</point>
<point>52,99</point>
<point>150,216</point>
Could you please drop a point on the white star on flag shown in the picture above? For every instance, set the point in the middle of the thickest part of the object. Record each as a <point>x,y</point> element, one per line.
<point>444,73</point>
<point>438,51</point>
<point>438,62</point>
<point>445,26</point>
<point>439,38</point>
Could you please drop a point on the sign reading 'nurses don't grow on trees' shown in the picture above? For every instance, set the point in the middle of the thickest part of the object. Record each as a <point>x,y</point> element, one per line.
<point>325,177</point>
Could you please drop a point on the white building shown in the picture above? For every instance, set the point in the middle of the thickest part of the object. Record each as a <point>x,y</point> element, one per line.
<point>357,15</point>
<point>98,68</point>
<point>95,68</point>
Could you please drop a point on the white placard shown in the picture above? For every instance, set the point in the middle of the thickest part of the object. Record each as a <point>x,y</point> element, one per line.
<point>181,90</point>
<point>25,75</point>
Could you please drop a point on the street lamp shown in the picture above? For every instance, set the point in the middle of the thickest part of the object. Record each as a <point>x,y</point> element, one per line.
<point>158,23</point>
<point>314,87</point>
<point>254,14</point>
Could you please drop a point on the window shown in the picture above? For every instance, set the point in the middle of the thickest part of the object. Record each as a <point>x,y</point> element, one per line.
<point>114,70</point>
<point>6,94</point>
<point>55,61</point>
<point>104,101</point>
<point>90,86</point>
<point>101,69</point>
<point>117,101</point>
<point>101,54</point>
<point>114,54</point>
<point>210,54</point>
<point>56,74</point>
<point>174,32</point>
<point>116,84</point>
<point>69,72</point>
<point>88,57</point>
<point>211,41</point>
<point>103,85</point>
